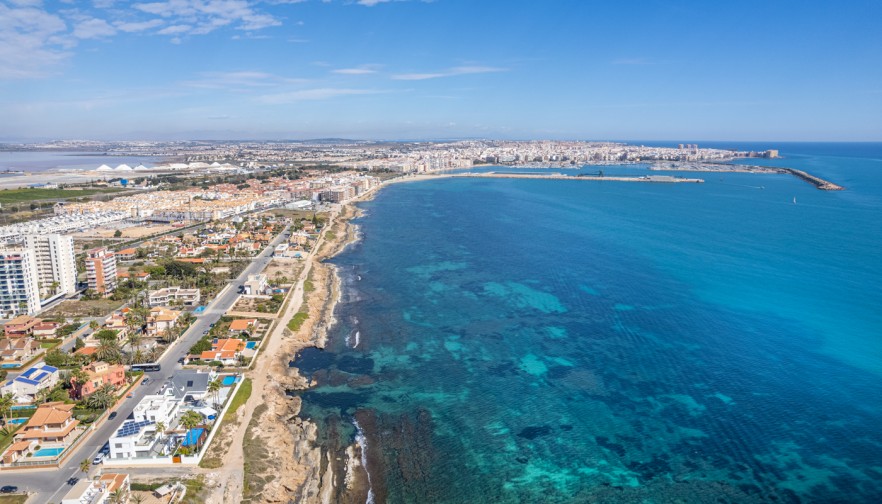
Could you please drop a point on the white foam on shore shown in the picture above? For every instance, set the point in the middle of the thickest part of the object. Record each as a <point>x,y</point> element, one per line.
<point>362,445</point>
<point>357,339</point>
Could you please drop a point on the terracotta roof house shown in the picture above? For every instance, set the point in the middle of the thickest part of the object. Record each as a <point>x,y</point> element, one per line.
<point>161,320</point>
<point>52,422</point>
<point>224,350</point>
<point>46,329</point>
<point>86,350</point>
<point>100,374</point>
<point>20,326</point>
<point>240,325</point>
<point>128,254</point>
<point>18,349</point>
<point>18,450</point>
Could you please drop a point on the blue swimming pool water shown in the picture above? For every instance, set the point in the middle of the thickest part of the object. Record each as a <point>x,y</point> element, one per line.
<point>251,344</point>
<point>48,452</point>
<point>9,366</point>
<point>228,381</point>
<point>17,420</point>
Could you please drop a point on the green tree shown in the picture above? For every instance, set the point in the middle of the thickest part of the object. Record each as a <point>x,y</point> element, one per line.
<point>108,350</point>
<point>214,388</point>
<point>117,234</point>
<point>190,419</point>
<point>85,465</point>
<point>102,398</point>
<point>7,401</point>
<point>77,378</point>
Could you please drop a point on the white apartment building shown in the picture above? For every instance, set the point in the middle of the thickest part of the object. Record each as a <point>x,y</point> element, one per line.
<point>19,288</point>
<point>160,407</point>
<point>56,263</point>
<point>101,270</point>
<point>163,297</point>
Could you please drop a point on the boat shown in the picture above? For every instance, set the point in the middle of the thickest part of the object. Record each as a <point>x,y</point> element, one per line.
<point>794,200</point>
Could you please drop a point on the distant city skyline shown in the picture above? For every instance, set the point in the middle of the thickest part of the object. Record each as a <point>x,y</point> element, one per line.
<point>412,69</point>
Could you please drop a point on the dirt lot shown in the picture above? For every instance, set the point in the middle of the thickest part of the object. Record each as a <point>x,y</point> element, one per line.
<point>127,233</point>
<point>73,309</point>
<point>290,270</point>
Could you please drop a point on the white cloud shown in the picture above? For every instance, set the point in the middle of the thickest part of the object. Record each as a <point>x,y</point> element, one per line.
<point>175,30</point>
<point>133,27</point>
<point>450,72</point>
<point>359,70</point>
<point>313,94</point>
<point>208,15</point>
<point>93,28</point>
<point>32,41</point>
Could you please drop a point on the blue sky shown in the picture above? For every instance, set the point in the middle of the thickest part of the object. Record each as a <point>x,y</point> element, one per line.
<point>409,69</point>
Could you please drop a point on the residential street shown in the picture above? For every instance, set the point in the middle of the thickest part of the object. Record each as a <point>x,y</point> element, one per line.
<point>50,485</point>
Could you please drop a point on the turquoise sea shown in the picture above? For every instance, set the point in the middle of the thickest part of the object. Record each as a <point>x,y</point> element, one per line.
<point>564,341</point>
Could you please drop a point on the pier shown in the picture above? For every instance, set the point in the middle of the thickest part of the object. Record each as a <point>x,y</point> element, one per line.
<point>663,179</point>
<point>824,185</point>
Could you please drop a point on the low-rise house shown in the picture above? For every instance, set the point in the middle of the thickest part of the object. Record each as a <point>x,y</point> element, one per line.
<point>117,322</point>
<point>129,254</point>
<point>134,439</point>
<point>160,407</point>
<point>46,329</point>
<point>99,374</point>
<point>225,350</point>
<point>239,326</point>
<point>160,321</point>
<point>97,491</point>
<point>161,297</point>
<point>87,350</point>
<point>28,384</point>
<point>18,350</point>
<point>53,422</point>
<point>255,284</point>
<point>191,386</point>
<point>18,450</point>
<point>20,327</point>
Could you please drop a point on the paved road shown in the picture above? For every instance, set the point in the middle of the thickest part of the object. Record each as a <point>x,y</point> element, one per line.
<point>50,485</point>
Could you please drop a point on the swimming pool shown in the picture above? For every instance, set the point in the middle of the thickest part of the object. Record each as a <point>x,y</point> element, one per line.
<point>228,381</point>
<point>17,420</point>
<point>9,366</point>
<point>48,452</point>
<point>251,344</point>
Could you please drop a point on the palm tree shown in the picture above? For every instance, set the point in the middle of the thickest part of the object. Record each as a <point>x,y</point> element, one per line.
<point>190,419</point>
<point>214,388</point>
<point>108,350</point>
<point>134,340</point>
<point>77,378</point>
<point>93,325</point>
<point>85,465</point>
<point>7,401</point>
<point>137,499</point>
<point>118,496</point>
<point>102,398</point>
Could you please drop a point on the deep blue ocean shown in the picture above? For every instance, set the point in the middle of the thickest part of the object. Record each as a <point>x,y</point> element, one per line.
<point>573,341</point>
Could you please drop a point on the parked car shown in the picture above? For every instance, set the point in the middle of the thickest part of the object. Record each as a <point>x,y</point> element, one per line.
<point>8,489</point>
<point>112,415</point>
<point>98,459</point>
